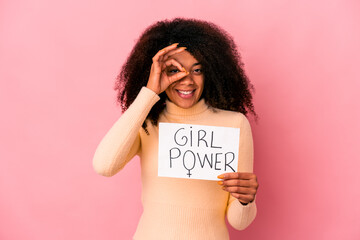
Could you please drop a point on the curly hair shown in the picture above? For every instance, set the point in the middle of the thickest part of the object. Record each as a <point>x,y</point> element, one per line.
<point>226,85</point>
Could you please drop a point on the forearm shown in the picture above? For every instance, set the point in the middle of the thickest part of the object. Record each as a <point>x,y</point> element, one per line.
<point>240,215</point>
<point>122,141</point>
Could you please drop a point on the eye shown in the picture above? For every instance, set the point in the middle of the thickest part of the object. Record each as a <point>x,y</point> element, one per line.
<point>197,71</point>
<point>172,71</point>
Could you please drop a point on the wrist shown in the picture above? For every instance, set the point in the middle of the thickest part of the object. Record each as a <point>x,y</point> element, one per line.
<point>152,89</point>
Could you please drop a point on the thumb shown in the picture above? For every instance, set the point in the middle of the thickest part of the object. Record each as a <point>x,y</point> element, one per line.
<point>177,76</point>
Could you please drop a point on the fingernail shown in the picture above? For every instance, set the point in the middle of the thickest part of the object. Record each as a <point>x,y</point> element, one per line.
<point>221,176</point>
<point>220,182</point>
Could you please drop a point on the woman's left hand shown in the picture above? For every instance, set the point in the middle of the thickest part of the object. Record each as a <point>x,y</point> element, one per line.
<point>240,185</point>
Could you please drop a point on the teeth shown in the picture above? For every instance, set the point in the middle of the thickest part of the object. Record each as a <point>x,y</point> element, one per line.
<point>185,92</point>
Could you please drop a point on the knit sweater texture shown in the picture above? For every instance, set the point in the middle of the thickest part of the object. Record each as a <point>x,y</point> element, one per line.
<point>175,208</point>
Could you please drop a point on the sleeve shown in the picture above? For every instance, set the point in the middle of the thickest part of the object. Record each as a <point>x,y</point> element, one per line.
<point>122,141</point>
<point>238,215</point>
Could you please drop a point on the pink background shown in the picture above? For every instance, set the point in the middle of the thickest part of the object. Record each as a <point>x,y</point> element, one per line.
<point>58,62</point>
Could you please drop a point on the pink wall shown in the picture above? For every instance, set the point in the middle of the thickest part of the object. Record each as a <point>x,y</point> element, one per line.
<point>58,62</point>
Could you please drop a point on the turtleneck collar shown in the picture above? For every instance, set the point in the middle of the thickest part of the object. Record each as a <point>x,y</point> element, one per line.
<point>173,109</point>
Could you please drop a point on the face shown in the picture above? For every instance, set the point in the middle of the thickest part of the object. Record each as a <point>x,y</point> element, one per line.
<point>187,91</point>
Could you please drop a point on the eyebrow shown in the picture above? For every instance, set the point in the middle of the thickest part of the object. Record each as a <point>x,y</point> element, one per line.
<point>195,64</point>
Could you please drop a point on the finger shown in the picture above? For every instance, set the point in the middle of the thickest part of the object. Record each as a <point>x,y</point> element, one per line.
<point>172,52</point>
<point>243,198</point>
<point>237,175</point>
<point>157,66</point>
<point>164,51</point>
<point>240,190</point>
<point>236,182</point>
<point>252,183</point>
<point>177,77</point>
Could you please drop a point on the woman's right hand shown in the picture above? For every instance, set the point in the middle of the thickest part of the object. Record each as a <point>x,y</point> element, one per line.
<point>159,80</point>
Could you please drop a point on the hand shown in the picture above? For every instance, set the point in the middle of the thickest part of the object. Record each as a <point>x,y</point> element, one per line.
<point>242,186</point>
<point>158,79</point>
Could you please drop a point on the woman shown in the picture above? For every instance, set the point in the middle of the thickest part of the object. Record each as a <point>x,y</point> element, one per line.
<point>183,71</point>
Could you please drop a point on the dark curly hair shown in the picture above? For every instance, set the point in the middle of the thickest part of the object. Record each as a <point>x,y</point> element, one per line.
<point>226,85</point>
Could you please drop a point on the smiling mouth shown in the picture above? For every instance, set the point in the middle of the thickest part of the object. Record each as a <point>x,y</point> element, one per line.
<point>185,93</point>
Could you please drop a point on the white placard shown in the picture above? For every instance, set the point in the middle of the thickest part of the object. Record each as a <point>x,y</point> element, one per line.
<point>197,151</point>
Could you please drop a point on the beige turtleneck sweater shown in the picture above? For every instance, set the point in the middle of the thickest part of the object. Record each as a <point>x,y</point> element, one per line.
<point>176,208</point>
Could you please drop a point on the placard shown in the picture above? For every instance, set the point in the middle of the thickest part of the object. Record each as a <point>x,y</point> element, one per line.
<point>197,151</point>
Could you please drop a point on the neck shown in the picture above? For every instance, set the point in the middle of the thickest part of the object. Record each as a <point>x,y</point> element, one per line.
<point>198,108</point>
